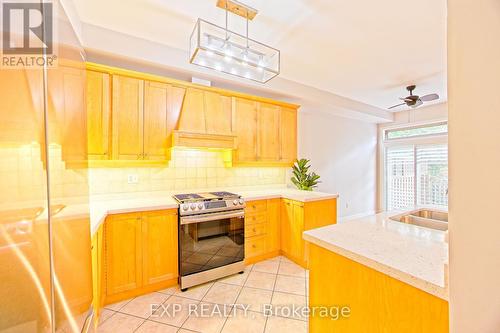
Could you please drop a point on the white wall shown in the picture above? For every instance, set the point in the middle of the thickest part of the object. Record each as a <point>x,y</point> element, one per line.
<point>343,152</point>
<point>474,142</point>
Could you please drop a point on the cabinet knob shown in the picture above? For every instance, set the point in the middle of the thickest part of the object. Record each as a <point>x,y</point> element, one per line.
<point>254,230</point>
<point>254,246</point>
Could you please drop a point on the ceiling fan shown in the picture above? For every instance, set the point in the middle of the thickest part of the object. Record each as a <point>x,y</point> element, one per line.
<point>415,101</point>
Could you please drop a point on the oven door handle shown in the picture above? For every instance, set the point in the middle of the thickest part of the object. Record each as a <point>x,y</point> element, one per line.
<point>210,217</point>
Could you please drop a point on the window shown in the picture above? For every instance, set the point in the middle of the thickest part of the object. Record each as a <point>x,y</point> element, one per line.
<point>418,131</point>
<point>416,171</point>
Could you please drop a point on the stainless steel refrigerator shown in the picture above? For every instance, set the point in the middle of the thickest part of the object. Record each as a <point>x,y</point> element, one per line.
<point>45,248</point>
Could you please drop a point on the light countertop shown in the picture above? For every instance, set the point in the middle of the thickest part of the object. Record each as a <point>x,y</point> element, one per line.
<point>103,205</point>
<point>415,255</point>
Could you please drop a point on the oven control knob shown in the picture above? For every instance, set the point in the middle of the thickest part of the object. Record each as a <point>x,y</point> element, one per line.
<point>200,206</point>
<point>241,201</point>
<point>235,202</point>
<point>193,206</point>
<point>185,207</point>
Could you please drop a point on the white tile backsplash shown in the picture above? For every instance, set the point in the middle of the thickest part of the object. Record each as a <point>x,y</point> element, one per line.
<point>188,169</point>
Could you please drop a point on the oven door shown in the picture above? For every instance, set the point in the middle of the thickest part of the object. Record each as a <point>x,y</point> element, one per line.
<point>209,241</point>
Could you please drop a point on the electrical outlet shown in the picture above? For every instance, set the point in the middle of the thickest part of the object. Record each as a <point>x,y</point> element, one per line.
<point>133,179</point>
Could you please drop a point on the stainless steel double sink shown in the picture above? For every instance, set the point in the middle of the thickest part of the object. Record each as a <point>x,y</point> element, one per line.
<point>427,218</point>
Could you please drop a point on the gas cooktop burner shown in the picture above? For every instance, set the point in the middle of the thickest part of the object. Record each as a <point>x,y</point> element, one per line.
<point>188,196</point>
<point>224,194</point>
<point>209,202</point>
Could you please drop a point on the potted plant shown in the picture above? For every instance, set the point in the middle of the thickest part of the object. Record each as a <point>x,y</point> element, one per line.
<point>302,178</point>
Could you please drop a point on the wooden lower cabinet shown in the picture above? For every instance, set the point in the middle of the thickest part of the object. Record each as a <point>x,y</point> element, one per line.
<point>276,225</point>
<point>273,226</point>
<point>377,302</point>
<point>140,253</point>
<point>262,223</point>
<point>159,239</point>
<point>98,277</point>
<point>297,217</point>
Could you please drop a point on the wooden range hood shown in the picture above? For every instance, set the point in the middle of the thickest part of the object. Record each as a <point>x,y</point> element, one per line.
<point>205,121</point>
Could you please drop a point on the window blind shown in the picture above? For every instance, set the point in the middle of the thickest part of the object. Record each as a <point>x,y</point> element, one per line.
<point>400,177</point>
<point>432,175</point>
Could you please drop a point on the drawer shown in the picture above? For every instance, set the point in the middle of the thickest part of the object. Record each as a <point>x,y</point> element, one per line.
<point>255,246</point>
<point>251,219</point>
<point>252,230</point>
<point>256,207</point>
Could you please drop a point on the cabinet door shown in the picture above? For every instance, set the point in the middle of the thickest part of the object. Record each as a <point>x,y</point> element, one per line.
<point>128,118</point>
<point>71,119</point>
<point>297,228</point>
<point>155,120</point>
<point>269,132</point>
<point>273,226</point>
<point>286,226</point>
<point>123,253</point>
<point>192,118</point>
<point>159,231</point>
<point>288,135</point>
<point>246,130</point>
<point>98,278</point>
<point>98,114</point>
<point>218,113</point>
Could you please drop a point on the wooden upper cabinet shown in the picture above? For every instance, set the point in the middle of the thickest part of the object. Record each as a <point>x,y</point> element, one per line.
<point>128,118</point>
<point>21,101</point>
<point>192,118</point>
<point>155,120</point>
<point>218,114</point>
<point>123,253</point>
<point>268,132</point>
<point>246,130</point>
<point>98,114</point>
<point>288,135</point>
<point>135,119</point>
<point>159,231</point>
<point>67,119</point>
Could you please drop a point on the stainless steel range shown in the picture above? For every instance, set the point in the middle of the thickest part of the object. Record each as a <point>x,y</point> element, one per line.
<point>211,236</point>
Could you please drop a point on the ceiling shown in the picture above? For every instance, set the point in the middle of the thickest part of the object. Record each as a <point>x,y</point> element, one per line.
<point>367,51</point>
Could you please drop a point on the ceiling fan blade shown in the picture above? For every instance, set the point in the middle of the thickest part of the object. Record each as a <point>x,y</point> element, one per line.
<point>395,106</point>
<point>430,97</point>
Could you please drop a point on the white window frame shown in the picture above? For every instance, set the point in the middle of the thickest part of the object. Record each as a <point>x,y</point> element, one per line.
<point>428,139</point>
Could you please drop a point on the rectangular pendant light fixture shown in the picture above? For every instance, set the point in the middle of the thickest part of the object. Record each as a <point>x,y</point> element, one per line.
<point>223,50</point>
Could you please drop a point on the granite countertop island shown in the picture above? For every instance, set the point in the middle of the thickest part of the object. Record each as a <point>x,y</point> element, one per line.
<point>415,255</point>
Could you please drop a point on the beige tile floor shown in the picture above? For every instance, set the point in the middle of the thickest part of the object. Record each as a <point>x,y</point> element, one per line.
<point>276,281</point>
